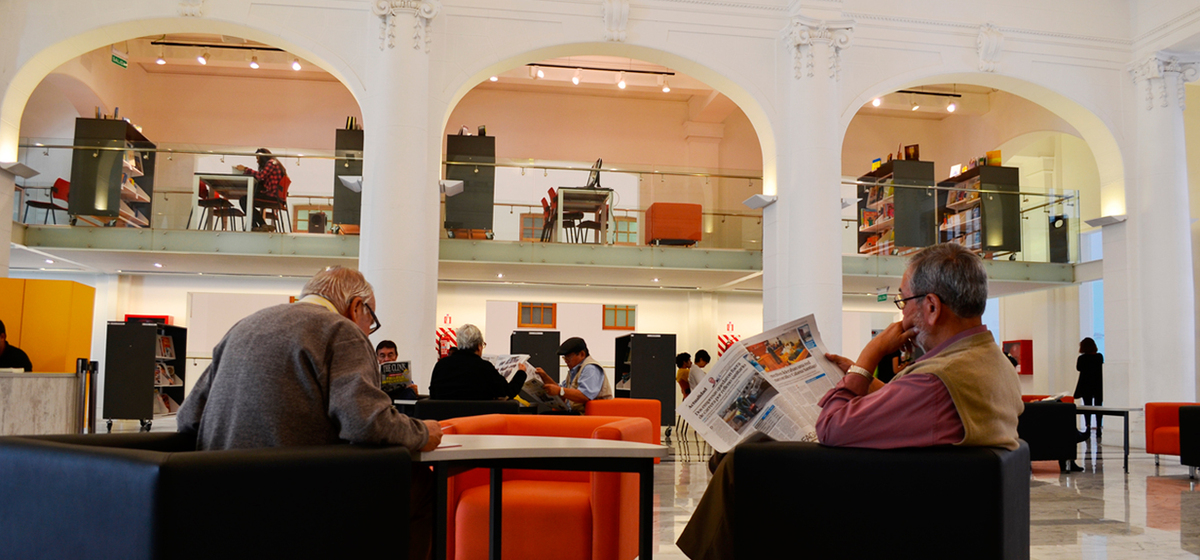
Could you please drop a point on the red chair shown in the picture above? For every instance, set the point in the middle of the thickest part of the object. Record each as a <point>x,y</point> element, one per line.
<point>591,515</point>
<point>1162,428</point>
<point>1035,398</point>
<point>59,191</point>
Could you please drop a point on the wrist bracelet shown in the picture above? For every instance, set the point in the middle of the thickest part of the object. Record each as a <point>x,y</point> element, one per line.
<point>861,371</point>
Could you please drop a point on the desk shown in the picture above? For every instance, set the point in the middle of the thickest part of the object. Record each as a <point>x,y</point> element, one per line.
<point>1112,411</point>
<point>231,186</point>
<point>597,202</point>
<point>499,452</point>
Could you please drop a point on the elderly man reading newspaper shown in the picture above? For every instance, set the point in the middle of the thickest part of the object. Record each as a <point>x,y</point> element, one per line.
<point>961,392</point>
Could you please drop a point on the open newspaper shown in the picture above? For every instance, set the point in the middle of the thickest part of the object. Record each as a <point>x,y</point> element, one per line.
<point>768,383</point>
<point>534,391</point>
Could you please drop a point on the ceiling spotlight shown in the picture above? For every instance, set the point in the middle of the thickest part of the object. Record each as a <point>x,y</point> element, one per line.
<point>254,62</point>
<point>621,80</point>
<point>662,83</point>
<point>912,100</point>
<point>578,75</point>
<point>656,279</point>
<point>203,58</point>
<point>160,60</point>
<point>494,79</point>
<point>157,265</point>
<point>500,275</point>
<point>951,107</point>
<point>48,261</point>
<point>296,64</point>
<point>876,102</point>
<point>540,74</point>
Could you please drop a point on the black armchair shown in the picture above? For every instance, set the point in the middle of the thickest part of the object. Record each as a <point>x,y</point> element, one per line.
<point>1049,427</point>
<point>152,496</point>
<point>830,502</point>
<point>1189,438</point>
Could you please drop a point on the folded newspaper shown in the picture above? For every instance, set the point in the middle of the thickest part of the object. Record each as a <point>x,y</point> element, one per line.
<point>768,383</point>
<point>533,391</point>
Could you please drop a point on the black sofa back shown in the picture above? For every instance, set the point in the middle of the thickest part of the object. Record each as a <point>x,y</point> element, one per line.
<point>152,496</point>
<point>1050,429</point>
<point>830,502</point>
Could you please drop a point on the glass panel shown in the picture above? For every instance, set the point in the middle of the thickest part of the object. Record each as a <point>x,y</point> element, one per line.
<point>524,315</point>
<point>610,316</point>
<point>548,317</point>
<point>631,319</point>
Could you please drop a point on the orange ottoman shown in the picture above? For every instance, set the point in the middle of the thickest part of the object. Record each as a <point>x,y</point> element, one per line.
<point>673,223</point>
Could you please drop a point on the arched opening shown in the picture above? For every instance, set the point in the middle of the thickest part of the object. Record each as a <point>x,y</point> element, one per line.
<point>679,136</point>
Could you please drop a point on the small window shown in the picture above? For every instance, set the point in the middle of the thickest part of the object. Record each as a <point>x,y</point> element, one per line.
<point>620,317</point>
<point>537,315</point>
<point>626,230</point>
<point>531,227</point>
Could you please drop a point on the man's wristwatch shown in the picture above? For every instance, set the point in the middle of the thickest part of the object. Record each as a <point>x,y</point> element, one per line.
<point>861,371</point>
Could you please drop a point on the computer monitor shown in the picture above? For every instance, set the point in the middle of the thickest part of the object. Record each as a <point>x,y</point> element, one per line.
<point>594,178</point>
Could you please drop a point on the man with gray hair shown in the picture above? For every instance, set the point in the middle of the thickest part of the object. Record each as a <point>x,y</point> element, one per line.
<point>465,375</point>
<point>962,391</point>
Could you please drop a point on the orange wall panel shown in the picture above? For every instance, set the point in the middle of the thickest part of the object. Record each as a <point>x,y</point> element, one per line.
<point>12,300</point>
<point>56,324</point>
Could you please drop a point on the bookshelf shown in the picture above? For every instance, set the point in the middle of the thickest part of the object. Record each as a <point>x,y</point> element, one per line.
<point>111,186</point>
<point>892,219</point>
<point>144,372</point>
<point>980,220</point>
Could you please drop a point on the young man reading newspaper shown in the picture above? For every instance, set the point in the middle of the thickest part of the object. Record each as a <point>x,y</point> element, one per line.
<point>961,392</point>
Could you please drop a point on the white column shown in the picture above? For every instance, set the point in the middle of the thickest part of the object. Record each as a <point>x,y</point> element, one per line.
<point>802,263</point>
<point>7,186</point>
<point>1163,366</point>
<point>398,251</point>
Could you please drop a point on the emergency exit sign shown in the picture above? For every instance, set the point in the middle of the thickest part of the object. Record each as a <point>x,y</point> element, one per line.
<point>881,297</point>
<point>120,59</point>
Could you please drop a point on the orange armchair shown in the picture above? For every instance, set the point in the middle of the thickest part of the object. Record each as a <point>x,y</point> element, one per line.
<point>593,515</point>
<point>650,409</point>
<point>1162,428</point>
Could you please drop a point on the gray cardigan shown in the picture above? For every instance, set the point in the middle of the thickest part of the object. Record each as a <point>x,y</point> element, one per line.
<point>294,374</point>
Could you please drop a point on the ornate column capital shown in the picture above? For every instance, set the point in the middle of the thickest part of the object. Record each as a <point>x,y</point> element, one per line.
<point>1155,70</point>
<point>422,12</point>
<point>191,8</point>
<point>616,19</point>
<point>988,45</point>
<point>804,33</point>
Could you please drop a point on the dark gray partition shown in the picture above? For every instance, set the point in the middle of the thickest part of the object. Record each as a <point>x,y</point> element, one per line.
<point>1001,212</point>
<point>471,209</point>
<point>542,347</point>
<point>649,361</point>
<point>916,219</point>
<point>347,204</point>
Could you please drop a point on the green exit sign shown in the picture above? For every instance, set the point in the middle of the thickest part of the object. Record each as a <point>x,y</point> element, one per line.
<point>120,61</point>
<point>881,297</point>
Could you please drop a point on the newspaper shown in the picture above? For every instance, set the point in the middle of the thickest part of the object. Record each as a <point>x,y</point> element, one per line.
<point>768,383</point>
<point>534,391</point>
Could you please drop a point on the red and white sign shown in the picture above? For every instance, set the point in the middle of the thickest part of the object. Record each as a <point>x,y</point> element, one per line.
<point>446,339</point>
<point>446,320</point>
<point>724,341</point>
<point>729,327</point>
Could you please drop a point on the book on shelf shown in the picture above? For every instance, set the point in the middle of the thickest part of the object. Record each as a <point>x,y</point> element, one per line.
<point>164,404</point>
<point>166,347</point>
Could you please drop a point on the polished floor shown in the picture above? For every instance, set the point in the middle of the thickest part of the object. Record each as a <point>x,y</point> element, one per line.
<point>1102,513</point>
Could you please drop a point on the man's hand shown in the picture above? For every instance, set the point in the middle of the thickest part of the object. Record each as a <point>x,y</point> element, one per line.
<point>545,378</point>
<point>843,363</point>
<point>435,435</point>
<point>554,389</point>
<point>890,340</point>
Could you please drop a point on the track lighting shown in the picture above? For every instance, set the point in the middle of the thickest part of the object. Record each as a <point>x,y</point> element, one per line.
<point>876,102</point>
<point>161,60</point>
<point>254,62</point>
<point>203,58</point>
<point>621,80</point>
<point>951,107</point>
<point>296,64</point>
<point>578,75</point>
<point>912,100</point>
<point>536,73</point>
<point>662,82</point>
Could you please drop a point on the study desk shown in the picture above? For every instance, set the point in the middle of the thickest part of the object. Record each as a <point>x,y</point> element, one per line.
<point>1112,411</point>
<point>597,202</point>
<point>231,186</point>
<point>461,452</point>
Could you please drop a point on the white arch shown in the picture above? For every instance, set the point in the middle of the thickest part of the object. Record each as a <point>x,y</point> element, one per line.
<point>1093,129</point>
<point>746,101</point>
<point>33,70</point>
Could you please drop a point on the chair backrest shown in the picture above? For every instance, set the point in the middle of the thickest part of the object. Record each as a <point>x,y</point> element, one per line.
<point>61,189</point>
<point>553,197</point>
<point>432,409</point>
<point>545,209</point>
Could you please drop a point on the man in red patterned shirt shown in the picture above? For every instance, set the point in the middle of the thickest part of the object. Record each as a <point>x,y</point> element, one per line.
<point>269,185</point>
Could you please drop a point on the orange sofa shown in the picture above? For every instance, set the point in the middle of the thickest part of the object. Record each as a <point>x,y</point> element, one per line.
<point>650,409</point>
<point>564,515</point>
<point>1162,428</point>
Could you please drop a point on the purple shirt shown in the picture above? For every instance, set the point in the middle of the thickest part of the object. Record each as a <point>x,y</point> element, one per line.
<point>913,410</point>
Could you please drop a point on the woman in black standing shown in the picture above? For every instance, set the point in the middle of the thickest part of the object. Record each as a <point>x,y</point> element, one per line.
<point>1089,390</point>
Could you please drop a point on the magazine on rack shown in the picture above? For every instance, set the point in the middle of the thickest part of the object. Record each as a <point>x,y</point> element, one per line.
<point>534,391</point>
<point>768,383</point>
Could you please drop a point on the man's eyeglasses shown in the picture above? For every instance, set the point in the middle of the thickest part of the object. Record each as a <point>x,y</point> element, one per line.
<point>900,302</point>
<point>374,320</point>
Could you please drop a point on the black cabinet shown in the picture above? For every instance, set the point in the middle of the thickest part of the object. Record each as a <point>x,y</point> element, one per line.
<point>892,216</point>
<point>347,203</point>
<point>648,362</point>
<point>115,183</point>
<point>977,211</point>
<point>542,347</point>
<point>472,208</point>
<point>144,363</point>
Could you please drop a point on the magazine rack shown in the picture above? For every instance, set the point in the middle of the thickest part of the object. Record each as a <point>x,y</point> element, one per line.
<point>144,371</point>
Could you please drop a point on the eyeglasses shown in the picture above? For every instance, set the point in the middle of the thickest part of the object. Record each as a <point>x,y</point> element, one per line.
<point>374,320</point>
<point>900,302</point>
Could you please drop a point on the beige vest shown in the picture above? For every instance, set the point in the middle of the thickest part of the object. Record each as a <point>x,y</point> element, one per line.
<point>984,387</point>
<point>573,383</point>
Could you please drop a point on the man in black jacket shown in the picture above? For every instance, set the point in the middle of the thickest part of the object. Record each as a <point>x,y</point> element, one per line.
<point>465,375</point>
<point>11,356</point>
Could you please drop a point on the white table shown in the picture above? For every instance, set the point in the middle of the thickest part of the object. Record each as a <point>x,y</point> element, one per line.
<point>597,202</point>
<point>1112,411</point>
<point>498,452</point>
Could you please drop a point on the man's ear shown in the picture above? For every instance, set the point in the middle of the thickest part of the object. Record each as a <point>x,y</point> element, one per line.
<point>933,309</point>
